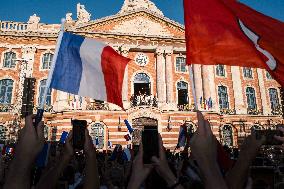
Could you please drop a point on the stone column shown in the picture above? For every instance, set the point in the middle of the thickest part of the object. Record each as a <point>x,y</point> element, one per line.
<point>124,52</point>
<point>161,80</point>
<point>26,70</point>
<point>209,87</point>
<point>264,102</point>
<point>238,90</point>
<point>197,79</point>
<point>169,74</point>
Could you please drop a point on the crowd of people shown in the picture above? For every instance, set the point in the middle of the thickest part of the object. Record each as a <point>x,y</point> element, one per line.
<point>203,163</point>
<point>142,99</point>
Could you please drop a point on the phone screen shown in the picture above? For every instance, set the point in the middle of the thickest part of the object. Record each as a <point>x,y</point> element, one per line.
<point>79,127</point>
<point>63,137</point>
<point>150,143</point>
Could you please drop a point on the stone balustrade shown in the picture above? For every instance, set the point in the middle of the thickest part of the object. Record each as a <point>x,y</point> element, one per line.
<point>13,26</point>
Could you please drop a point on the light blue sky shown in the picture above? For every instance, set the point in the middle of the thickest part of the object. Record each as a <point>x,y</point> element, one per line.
<point>51,11</point>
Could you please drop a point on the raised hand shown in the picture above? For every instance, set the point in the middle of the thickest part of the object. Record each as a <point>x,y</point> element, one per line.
<point>139,170</point>
<point>31,141</point>
<point>162,167</point>
<point>204,150</point>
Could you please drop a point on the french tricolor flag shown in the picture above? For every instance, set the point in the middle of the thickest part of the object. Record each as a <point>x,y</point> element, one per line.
<point>89,68</point>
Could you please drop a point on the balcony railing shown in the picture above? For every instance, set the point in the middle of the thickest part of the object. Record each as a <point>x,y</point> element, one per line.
<point>143,100</point>
<point>228,111</point>
<point>277,111</point>
<point>185,107</point>
<point>13,26</point>
<point>6,107</point>
<point>254,111</point>
<point>97,106</point>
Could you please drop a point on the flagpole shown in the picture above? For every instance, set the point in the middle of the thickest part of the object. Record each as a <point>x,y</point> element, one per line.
<point>193,86</point>
<point>48,82</point>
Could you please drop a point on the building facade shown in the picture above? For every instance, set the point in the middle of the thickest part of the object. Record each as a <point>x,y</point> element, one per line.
<point>156,90</point>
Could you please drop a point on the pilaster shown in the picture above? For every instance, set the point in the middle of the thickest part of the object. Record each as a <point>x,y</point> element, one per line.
<point>161,80</point>
<point>264,102</point>
<point>238,90</point>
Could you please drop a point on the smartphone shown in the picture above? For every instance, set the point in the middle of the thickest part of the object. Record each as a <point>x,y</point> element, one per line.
<point>269,136</point>
<point>79,127</point>
<point>135,150</point>
<point>150,143</point>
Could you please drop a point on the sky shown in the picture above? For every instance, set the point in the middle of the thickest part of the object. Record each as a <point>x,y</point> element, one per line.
<point>51,11</point>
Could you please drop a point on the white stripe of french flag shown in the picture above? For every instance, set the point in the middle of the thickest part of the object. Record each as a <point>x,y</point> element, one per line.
<point>89,68</point>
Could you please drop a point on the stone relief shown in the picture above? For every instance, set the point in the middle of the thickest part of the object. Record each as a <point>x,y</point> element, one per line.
<point>83,15</point>
<point>132,5</point>
<point>33,22</point>
<point>141,26</point>
<point>68,17</point>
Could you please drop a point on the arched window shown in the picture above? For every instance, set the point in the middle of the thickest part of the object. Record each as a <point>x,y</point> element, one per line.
<point>182,88</point>
<point>223,97</point>
<point>42,87</point>
<point>220,70</point>
<point>6,89</point>
<point>2,133</point>
<point>227,135</point>
<point>46,60</point>
<point>97,134</point>
<point>247,72</point>
<point>181,64</point>
<point>142,84</point>
<point>251,100</point>
<point>274,101</point>
<point>9,60</point>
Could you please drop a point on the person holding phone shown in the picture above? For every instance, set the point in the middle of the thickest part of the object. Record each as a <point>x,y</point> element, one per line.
<point>140,170</point>
<point>49,180</point>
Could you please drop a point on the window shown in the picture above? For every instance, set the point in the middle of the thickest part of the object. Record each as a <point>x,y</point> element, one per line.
<point>220,70</point>
<point>274,101</point>
<point>97,134</point>
<point>223,97</point>
<point>181,64</point>
<point>268,76</point>
<point>247,72</point>
<point>182,88</point>
<point>3,131</point>
<point>251,100</point>
<point>42,87</point>
<point>227,135</point>
<point>6,87</point>
<point>46,60</point>
<point>9,60</point>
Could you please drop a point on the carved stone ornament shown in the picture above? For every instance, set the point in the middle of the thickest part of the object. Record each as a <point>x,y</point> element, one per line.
<point>133,5</point>
<point>34,19</point>
<point>141,26</point>
<point>141,59</point>
<point>69,17</point>
<point>83,15</point>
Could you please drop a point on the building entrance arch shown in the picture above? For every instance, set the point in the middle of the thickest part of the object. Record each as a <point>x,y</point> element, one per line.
<point>139,124</point>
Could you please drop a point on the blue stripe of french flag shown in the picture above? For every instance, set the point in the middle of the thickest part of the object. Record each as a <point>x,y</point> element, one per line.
<point>89,68</point>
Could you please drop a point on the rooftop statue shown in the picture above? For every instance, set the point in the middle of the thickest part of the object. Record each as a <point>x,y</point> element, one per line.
<point>132,5</point>
<point>83,15</point>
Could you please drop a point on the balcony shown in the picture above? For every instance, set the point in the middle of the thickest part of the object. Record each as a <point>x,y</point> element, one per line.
<point>277,111</point>
<point>6,107</point>
<point>228,111</point>
<point>251,111</point>
<point>98,105</point>
<point>185,107</point>
<point>143,100</point>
